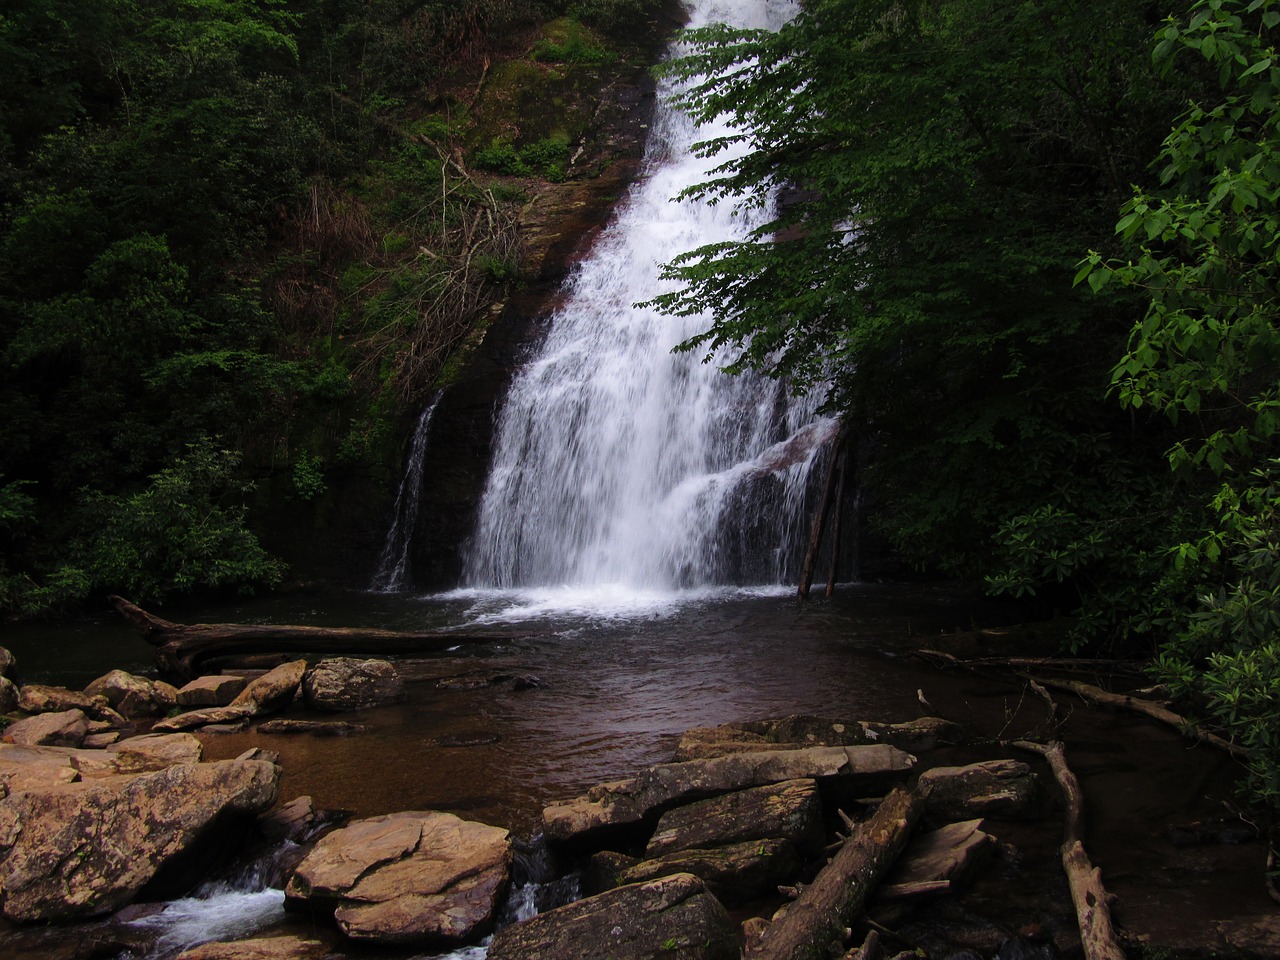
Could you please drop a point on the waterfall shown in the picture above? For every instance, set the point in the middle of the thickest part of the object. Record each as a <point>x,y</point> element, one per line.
<point>393,573</point>
<point>618,462</point>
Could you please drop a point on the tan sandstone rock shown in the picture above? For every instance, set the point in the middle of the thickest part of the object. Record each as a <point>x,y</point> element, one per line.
<point>417,877</point>
<point>274,690</point>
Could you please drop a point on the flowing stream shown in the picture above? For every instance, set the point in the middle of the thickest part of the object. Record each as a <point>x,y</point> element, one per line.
<point>620,465</point>
<point>393,573</point>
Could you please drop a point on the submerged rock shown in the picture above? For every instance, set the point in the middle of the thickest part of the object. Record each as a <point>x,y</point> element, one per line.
<point>321,728</point>
<point>87,848</point>
<point>670,917</point>
<point>805,730</point>
<point>344,683</point>
<point>407,878</point>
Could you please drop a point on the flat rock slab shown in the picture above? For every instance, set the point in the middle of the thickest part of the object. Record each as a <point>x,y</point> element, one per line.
<point>211,691</point>
<point>660,787</point>
<point>416,877</point>
<point>945,857</point>
<point>40,698</point>
<point>672,917</point>
<point>791,810</point>
<point>993,788</point>
<point>31,768</point>
<point>265,948</point>
<point>204,717</point>
<point>805,730</point>
<point>65,728</point>
<point>735,874</point>
<point>345,683</point>
<point>82,849</point>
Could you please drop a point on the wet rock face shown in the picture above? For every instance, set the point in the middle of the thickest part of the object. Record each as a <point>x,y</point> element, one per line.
<point>82,849</point>
<point>407,878</point>
<point>670,917</point>
<point>344,683</point>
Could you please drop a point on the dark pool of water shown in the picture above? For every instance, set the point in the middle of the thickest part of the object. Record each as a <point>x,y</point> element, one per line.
<point>614,680</point>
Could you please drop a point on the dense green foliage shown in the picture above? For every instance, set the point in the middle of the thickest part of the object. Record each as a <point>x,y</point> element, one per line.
<point>947,165</point>
<point>238,225</point>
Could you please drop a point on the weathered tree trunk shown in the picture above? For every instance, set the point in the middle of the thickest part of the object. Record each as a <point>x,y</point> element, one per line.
<point>827,907</point>
<point>837,525</point>
<point>182,647</point>
<point>1093,911</point>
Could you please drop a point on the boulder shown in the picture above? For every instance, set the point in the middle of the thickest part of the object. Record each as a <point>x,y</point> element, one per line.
<point>804,730</point>
<point>274,690</point>
<point>791,810</point>
<point>265,948</point>
<point>8,664</point>
<point>994,788</point>
<point>660,787</point>
<point>344,683</point>
<point>132,697</point>
<point>735,874</point>
<point>203,718</point>
<point>66,728</point>
<point>166,694</point>
<point>673,917</point>
<point>934,862</point>
<point>404,878</point>
<point>40,698</point>
<point>82,849</point>
<point>210,691</point>
<point>9,695</point>
<point>320,728</point>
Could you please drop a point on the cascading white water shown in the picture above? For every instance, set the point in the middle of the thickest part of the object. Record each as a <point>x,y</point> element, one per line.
<point>393,564</point>
<point>619,462</point>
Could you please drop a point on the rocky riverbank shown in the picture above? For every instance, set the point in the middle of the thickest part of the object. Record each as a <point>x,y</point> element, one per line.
<point>105,814</point>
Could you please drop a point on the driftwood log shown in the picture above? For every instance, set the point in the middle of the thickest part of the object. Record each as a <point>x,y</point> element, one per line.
<point>1093,909</point>
<point>1094,694</point>
<point>825,909</point>
<point>182,647</point>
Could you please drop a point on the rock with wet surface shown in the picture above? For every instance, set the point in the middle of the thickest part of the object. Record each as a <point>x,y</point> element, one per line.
<point>274,690</point>
<point>791,810</point>
<point>407,878</point>
<point>263,948</point>
<point>673,917</point>
<point>63,729</point>
<point>660,787</point>
<point>83,849</point>
<point>735,873</point>
<point>204,717</point>
<point>993,788</point>
<point>805,730</point>
<point>319,728</point>
<point>345,683</point>
<point>131,696</point>
<point>211,691</point>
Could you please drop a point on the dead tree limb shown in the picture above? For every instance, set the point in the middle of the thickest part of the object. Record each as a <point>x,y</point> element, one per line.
<point>1066,664</point>
<point>1147,708</point>
<point>838,895</point>
<point>1093,910</point>
<point>182,647</point>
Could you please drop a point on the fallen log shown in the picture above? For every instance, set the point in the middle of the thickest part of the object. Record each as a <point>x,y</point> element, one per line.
<point>1093,910</point>
<point>182,647</point>
<point>826,908</point>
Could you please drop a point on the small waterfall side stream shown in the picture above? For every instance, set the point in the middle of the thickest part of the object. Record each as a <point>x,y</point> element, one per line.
<point>393,574</point>
<point>619,463</point>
